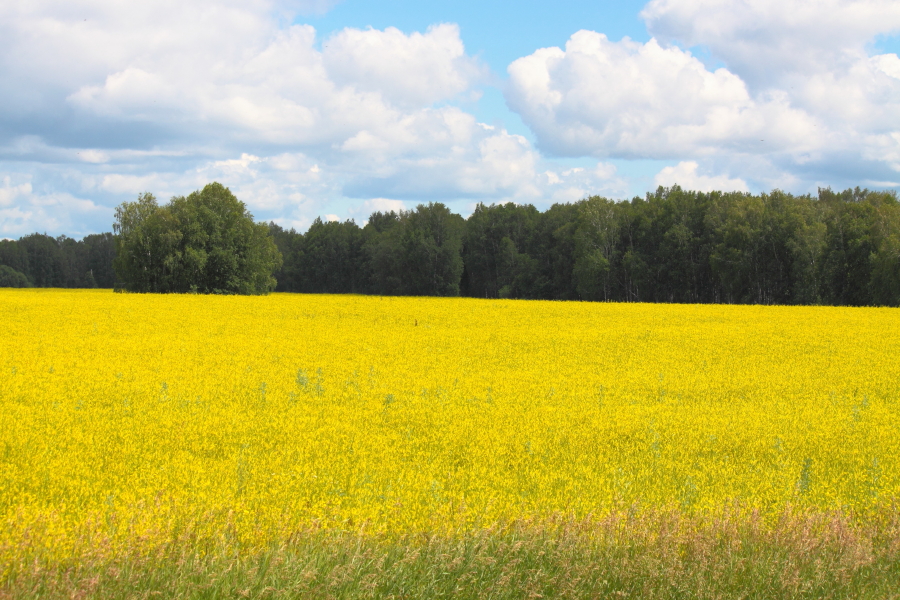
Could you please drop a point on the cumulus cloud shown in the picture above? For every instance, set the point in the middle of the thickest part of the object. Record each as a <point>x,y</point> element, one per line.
<point>794,86</point>
<point>10,192</point>
<point>685,174</point>
<point>225,72</point>
<point>274,86</point>
<point>22,209</point>
<point>765,40</point>
<point>362,212</point>
<point>490,166</point>
<point>573,184</point>
<point>424,68</point>
<point>635,100</point>
<point>165,96</point>
<point>480,162</point>
<point>104,100</point>
<point>816,54</point>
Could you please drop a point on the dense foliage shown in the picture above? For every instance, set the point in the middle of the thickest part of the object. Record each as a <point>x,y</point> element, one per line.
<point>671,246</point>
<point>61,262</point>
<point>9,277</point>
<point>205,242</point>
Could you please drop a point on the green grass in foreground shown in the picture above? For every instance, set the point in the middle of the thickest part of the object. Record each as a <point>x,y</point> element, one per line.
<point>666,555</point>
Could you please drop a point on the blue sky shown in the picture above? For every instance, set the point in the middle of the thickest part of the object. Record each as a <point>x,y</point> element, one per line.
<point>496,32</point>
<point>311,108</point>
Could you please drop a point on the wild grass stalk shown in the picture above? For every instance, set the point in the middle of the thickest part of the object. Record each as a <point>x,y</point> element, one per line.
<point>654,554</point>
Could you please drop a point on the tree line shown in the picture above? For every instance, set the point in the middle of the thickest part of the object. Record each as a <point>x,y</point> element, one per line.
<point>673,245</point>
<point>39,260</point>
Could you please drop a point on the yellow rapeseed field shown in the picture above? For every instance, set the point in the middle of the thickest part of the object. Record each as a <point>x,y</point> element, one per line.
<point>128,422</point>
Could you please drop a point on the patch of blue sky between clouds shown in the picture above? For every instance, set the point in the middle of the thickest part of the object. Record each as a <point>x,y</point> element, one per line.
<point>886,44</point>
<point>496,32</point>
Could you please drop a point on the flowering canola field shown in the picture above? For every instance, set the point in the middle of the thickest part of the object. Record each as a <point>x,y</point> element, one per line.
<point>128,422</point>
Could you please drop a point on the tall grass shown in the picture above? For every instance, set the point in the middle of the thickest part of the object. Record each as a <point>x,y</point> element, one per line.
<point>627,554</point>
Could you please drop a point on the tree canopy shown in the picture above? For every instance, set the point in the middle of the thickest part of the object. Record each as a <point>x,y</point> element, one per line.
<point>9,277</point>
<point>672,245</point>
<point>62,262</point>
<point>205,243</point>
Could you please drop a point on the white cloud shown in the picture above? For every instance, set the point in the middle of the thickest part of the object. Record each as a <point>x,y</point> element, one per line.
<point>311,7</point>
<point>118,183</point>
<point>104,100</point>
<point>93,156</point>
<point>23,210</point>
<point>185,93</point>
<point>629,99</point>
<point>274,86</point>
<point>423,68</point>
<point>764,40</point>
<point>571,185</point>
<point>685,174</point>
<point>488,164</point>
<point>794,94</point>
<point>884,147</point>
<point>10,192</point>
<point>814,55</point>
<point>888,64</point>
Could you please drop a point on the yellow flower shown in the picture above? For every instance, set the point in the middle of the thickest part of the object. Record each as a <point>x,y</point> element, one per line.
<point>140,421</point>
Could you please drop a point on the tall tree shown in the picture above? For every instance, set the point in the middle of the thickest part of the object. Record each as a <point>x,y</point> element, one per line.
<point>847,265</point>
<point>596,248</point>
<point>496,243</point>
<point>44,259</point>
<point>332,258</point>
<point>98,251</point>
<point>205,242</point>
<point>417,252</point>
<point>885,260</point>
<point>290,245</point>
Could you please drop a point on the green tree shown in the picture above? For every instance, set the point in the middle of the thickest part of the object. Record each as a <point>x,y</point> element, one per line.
<point>62,261</point>
<point>45,262</point>
<point>290,244</point>
<point>755,246</point>
<point>382,252</point>
<point>807,248</point>
<point>596,248</point>
<point>548,274</point>
<point>416,252</point>
<point>850,244</point>
<point>9,277</point>
<point>496,242</point>
<point>432,244</point>
<point>13,255</point>
<point>205,242</point>
<point>332,257</point>
<point>885,260</point>
<point>98,253</point>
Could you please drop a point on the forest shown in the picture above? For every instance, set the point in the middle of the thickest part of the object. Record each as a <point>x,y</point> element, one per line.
<point>673,245</point>
<point>59,262</point>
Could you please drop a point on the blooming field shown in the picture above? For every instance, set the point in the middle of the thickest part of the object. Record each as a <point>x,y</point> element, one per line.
<point>133,421</point>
